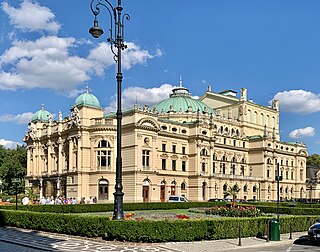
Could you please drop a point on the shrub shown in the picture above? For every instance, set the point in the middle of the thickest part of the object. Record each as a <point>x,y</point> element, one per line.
<point>242,211</point>
<point>146,230</point>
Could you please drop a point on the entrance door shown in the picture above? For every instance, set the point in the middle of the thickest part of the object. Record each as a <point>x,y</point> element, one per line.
<point>103,190</point>
<point>145,193</point>
<point>162,193</point>
<point>173,189</point>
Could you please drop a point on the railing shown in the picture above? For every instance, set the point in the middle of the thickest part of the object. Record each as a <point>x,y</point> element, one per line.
<point>101,121</point>
<point>232,176</point>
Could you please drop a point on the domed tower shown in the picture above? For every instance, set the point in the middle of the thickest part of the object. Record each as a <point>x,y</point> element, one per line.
<point>181,104</point>
<point>88,106</point>
<point>42,116</point>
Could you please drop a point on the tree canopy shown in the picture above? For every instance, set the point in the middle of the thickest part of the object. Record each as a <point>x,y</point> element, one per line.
<point>13,165</point>
<point>314,160</point>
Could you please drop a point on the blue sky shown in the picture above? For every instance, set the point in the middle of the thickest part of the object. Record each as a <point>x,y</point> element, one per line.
<point>270,47</point>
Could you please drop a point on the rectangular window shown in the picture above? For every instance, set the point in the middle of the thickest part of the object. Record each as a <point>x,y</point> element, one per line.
<point>174,163</point>
<point>287,175</point>
<point>164,164</point>
<point>244,144</point>
<point>242,170</point>
<point>145,158</point>
<point>292,175</point>
<point>224,141</point>
<point>268,174</point>
<point>203,167</point>
<point>183,166</point>
<point>234,142</point>
<point>214,167</point>
<point>174,148</point>
<point>164,147</point>
<point>183,150</point>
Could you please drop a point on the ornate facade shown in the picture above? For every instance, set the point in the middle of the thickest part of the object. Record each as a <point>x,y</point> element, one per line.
<point>181,146</point>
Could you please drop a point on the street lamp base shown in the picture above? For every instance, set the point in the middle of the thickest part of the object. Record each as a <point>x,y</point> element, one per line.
<point>118,206</point>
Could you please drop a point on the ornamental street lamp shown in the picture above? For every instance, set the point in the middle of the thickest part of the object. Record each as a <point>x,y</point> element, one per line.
<point>16,181</point>
<point>278,179</point>
<point>116,38</point>
<point>311,182</point>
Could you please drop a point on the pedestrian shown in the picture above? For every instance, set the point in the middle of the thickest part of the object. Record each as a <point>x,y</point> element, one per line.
<point>25,200</point>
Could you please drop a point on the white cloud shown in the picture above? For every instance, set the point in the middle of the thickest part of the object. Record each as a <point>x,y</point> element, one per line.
<point>302,133</point>
<point>23,118</point>
<point>48,63</point>
<point>298,101</point>
<point>141,96</point>
<point>75,93</point>
<point>8,144</point>
<point>133,55</point>
<point>30,16</point>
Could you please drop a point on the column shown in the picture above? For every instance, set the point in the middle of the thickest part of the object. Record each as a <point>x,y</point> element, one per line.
<point>59,168</point>
<point>41,188</point>
<point>58,186</point>
<point>70,155</point>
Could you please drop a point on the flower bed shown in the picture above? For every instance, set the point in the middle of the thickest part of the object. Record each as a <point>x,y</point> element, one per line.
<point>242,211</point>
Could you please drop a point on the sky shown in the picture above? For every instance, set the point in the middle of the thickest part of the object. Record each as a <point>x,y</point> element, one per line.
<point>270,47</point>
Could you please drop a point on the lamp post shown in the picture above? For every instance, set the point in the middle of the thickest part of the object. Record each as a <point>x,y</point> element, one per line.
<point>116,39</point>
<point>16,181</point>
<point>278,179</point>
<point>310,183</point>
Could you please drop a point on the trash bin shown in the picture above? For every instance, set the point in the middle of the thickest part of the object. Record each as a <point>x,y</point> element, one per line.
<point>274,230</point>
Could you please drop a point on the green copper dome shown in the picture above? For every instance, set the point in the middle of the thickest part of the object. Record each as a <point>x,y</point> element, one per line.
<point>41,116</point>
<point>88,100</point>
<point>180,101</point>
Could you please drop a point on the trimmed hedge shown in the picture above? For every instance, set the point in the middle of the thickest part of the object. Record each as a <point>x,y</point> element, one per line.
<point>149,231</point>
<point>289,210</point>
<point>87,208</point>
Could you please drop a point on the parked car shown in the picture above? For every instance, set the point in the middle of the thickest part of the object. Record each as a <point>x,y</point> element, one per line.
<point>215,200</point>
<point>177,198</point>
<point>314,232</point>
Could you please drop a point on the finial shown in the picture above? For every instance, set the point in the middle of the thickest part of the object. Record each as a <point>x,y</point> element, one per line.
<point>87,89</point>
<point>180,81</point>
<point>42,106</point>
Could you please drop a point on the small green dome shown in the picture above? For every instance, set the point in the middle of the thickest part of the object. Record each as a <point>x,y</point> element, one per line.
<point>41,116</point>
<point>180,101</point>
<point>88,100</point>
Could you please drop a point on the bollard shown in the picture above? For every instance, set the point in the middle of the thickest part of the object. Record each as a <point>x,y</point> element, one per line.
<point>290,238</point>
<point>239,244</point>
<point>268,238</point>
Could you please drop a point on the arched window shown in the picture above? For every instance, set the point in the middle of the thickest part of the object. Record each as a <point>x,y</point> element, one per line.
<point>255,117</point>
<point>183,186</point>
<point>245,188</point>
<point>103,144</point>
<point>204,152</point>
<point>269,189</point>
<point>268,161</point>
<point>103,189</point>
<point>273,122</point>
<point>249,115</point>
<point>254,189</point>
<point>103,155</point>
<point>225,187</point>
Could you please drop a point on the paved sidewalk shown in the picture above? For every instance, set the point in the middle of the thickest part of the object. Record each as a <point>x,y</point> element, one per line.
<point>231,244</point>
<point>44,241</point>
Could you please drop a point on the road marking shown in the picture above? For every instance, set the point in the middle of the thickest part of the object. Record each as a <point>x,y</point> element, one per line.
<point>289,249</point>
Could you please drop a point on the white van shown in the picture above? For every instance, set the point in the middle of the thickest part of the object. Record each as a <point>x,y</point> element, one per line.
<point>177,198</point>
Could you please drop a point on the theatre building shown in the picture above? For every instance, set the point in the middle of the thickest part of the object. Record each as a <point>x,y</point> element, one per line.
<point>180,146</point>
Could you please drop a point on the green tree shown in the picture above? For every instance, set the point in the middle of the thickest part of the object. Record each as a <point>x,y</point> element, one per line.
<point>232,191</point>
<point>12,165</point>
<point>314,160</point>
